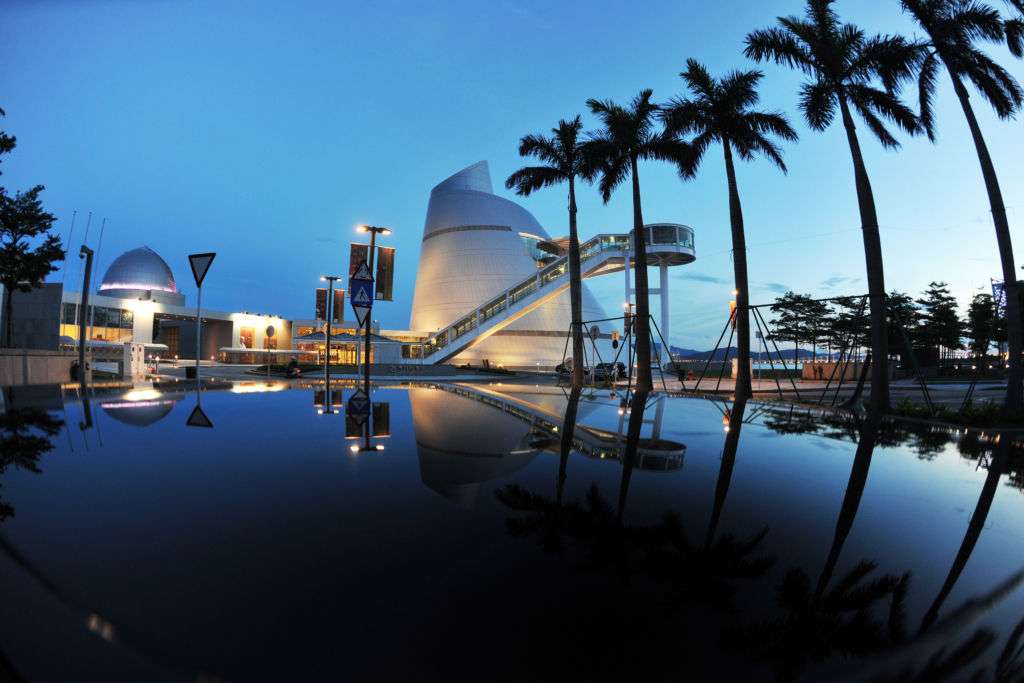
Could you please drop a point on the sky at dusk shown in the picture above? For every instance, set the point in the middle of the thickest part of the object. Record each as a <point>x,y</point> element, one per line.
<point>265,131</point>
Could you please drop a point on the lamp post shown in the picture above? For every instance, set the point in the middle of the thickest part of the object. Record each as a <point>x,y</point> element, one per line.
<point>374,231</point>
<point>330,280</point>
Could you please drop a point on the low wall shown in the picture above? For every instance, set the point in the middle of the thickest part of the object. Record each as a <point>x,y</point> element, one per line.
<point>35,366</point>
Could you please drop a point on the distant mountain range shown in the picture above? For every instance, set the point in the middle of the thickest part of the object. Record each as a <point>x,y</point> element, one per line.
<point>694,354</point>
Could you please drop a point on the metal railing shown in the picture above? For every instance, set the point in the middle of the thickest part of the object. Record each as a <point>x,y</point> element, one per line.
<point>542,279</point>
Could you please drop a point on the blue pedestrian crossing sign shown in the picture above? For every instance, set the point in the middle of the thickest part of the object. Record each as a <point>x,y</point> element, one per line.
<point>361,292</point>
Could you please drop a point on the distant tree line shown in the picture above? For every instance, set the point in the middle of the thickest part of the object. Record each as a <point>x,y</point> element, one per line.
<point>930,322</point>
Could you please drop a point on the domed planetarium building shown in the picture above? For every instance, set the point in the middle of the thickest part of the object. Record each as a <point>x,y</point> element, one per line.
<point>141,274</point>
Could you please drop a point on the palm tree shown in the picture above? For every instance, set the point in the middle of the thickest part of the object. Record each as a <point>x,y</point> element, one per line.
<point>953,28</point>
<point>843,65</point>
<point>564,159</point>
<point>721,112</point>
<point>628,137</point>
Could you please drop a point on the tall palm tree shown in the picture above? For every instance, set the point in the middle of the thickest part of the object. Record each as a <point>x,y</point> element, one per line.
<point>843,65</point>
<point>629,136</point>
<point>954,27</point>
<point>721,112</point>
<point>564,161</point>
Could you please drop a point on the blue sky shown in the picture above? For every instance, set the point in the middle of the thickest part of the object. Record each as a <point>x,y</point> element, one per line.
<point>265,131</point>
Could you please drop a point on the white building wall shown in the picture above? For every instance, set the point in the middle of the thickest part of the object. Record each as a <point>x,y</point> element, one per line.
<point>472,251</point>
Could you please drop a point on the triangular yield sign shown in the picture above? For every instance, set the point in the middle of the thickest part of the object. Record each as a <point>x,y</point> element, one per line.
<point>198,419</point>
<point>362,272</point>
<point>362,313</point>
<point>200,264</point>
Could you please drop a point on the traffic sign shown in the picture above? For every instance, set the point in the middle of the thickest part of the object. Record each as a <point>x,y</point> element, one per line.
<point>362,313</point>
<point>198,419</point>
<point>361,292</point>
<point>358,408</point>
<point>200,265</point>
<point>362,272</point>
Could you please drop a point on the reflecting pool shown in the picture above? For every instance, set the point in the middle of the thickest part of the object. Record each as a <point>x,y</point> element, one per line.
<point>263,531</point>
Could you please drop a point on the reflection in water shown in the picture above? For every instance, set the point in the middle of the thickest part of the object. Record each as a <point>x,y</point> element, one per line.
<point>734,426</point>
<point>633,571</point>
<point>456,453</point>
<point>848,619</point>
<point>996,468</point>
<point>25,434</point>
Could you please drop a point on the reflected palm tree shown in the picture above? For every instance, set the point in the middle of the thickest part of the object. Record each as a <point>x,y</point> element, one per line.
<point>815,626</point>
<point>24,437</point>
<point>851,500</point>
<point>822,621</point>
<point>997,467</point>
<point>637,406</point>
<point>662,551</point>
<point>732,440</point>
<point>1010,665</point>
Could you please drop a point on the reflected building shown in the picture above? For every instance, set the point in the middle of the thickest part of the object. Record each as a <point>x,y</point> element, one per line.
<point>462,444</point>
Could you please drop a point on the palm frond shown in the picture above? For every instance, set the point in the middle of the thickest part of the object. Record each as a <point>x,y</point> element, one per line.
<point>926,86</point>
<point>684,117</point>
<point>780,46</point>
<point>818,103</point>
<point>774,123</point>
<point>1014,29</point>
<point>977,21</point>
<point>542,148</point>
<point>886,104</point>
<point>996,85</point>
<point>698,79</point>
<point>529,179</point>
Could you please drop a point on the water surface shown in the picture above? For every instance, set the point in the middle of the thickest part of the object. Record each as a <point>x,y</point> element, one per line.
<point>754,541</point>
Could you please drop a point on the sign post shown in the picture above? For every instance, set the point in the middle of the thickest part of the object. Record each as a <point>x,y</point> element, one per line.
<point>200,264</point>
<point>360,294</point>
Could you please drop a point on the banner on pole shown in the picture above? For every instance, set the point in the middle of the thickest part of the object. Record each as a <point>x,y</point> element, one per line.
<point>382,419</point>
<point>358,253</point>
<point>339,305</point>
<point>321,303</point>
<point>385,273</point>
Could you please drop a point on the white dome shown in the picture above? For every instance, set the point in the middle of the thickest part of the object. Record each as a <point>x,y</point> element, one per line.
<point>140,273</point>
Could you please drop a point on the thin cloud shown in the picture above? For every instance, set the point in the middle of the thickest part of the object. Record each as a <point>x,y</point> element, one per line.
<point>837,280</point>
<point>701,277</point>
<point>776,287</point>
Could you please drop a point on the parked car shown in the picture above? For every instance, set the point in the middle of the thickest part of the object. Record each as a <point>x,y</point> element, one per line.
<point>564,370</point>
<point>609,372</point>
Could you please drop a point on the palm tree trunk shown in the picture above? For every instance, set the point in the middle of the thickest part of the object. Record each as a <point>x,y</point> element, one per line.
<point>739,264</point>
<point>642,322</point>
<point>575,287</point>
<point>1014,323</point>
<point>875,269</point>
<point>8,308</point>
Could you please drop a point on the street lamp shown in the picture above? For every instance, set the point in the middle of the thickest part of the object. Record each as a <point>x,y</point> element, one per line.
<point>374,230</point>
<point>330,280</point>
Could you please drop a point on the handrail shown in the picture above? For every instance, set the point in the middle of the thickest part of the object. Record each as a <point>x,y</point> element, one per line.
<point>521,290</point>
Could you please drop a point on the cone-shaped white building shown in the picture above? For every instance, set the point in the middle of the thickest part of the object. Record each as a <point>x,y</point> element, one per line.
<point>476,245</point>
